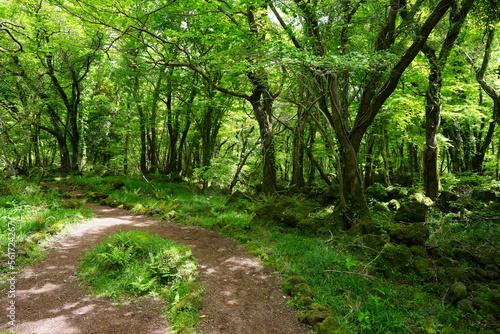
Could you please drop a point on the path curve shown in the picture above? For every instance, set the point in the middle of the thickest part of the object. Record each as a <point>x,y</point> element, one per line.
<point>242,296</point>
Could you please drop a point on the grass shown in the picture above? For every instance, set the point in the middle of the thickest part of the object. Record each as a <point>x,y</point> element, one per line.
<point>337,265</point>
<point>29,214</point>
<point>136,263</point>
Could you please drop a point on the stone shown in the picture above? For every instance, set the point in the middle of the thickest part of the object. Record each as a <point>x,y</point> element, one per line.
<point>394,259</point>
<point>331,326</point>
<point>456,293</point>
<point>315,314</point>
<point>412,212</point>
<point>411,234</point>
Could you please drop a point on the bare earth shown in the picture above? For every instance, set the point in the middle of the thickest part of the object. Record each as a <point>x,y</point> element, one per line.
<point>241,297</point>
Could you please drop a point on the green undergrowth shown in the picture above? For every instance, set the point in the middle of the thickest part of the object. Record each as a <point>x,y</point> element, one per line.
<point>135,263</point>
<point>29,215</point>
<point>342,267</point>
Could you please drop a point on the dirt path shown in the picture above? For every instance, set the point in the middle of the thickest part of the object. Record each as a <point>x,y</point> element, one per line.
<point>242,296</point>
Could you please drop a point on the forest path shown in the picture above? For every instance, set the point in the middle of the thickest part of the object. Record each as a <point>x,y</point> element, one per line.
<point>241,296</point>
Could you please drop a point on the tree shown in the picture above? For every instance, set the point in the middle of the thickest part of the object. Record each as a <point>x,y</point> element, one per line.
<point>393,49</point>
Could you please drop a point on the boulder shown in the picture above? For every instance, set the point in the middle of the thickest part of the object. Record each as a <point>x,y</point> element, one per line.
<point>412,212</point>
<point>411,234</point>
<point>456,293</point>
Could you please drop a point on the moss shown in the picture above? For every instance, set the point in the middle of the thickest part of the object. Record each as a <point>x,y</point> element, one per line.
<point>303,301</point>
<point>394,205</point>
<point>484,194</point>
<point>423,267</point>
<point>374,241</point>
<point>192,301</point>
<point>331,326</point>
<point>96,196</point>
<point>302,289</point>
<point>418,250</point>
<point>380,206</point>
<point>452,274</point>
<point>117,184</point>
<point>290,282</point>
<point>56,228</point>
<point>309,225</point>
<point>394,259</point>
<point>456,293</point>
<point>477,274</point>
<point>412,212</point>
<point>465,306</point>
<point>411,234</point>
<point>37,237</point>
<point>315,314</point>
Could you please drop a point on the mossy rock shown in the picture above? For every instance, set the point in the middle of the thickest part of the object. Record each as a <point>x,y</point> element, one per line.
<point>412,212</point>
<point>484,195</point>
<point>315,314</point>
<point>367,227</point>
<point>381,207</point>
<point>477,274</point>
<point>374,241</point>
<point>117,184</point>
<point>393,205</point>
<point>394,259</point>
<point>73,203</point>
<point>466,306</point>
<point>283,209</point>
<point>127,206</point>
<point>303,301</point>
<point>452,274</point>
<point>37,237</point>
<point>421,198</point>
<point>423,267</point>
<point>411,234</point>
<point>302,289</point>
<point>418,250</point>
<point>456,292</point>
<point>331,326</point>
<point>192,301</point>
<point>96,196</point>
<point>290,282</point>
<point>310,224</point>
<point>56,228</point>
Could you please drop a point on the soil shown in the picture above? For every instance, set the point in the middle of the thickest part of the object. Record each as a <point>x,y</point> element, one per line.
<point>241,295</point>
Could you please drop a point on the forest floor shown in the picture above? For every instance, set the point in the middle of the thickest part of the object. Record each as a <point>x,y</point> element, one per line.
<point>241,295</point>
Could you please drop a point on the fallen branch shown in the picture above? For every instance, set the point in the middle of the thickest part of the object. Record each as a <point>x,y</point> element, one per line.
<point>349,272</point>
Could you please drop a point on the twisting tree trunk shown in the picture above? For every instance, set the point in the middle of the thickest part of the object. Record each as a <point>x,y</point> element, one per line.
<point>433,98</point>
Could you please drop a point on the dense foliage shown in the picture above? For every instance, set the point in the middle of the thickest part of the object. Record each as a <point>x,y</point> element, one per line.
<point>346,92</point>
<point>369,124</point>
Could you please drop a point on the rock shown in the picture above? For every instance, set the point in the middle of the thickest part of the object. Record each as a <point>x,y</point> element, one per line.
<point>374,241</point>
<point>290,282</point>
<point>394,259</point>
<point>309,225</point>
<point>56,228</point>
<point>484,194</point>
<point>304,301</point>
<point>411,234</point>
<point>96,196</point>
<point>380,206</point>
<point>412,212</point>
<point>418,250</point>
<point>117,184</point>
<point>315,314</point>
<point>456,293</point>
<point>394,205</point>
<point>302,289</point>
<point>423,267</point>
<point>331,326</point>
<point>192,301</point>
